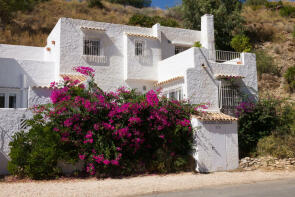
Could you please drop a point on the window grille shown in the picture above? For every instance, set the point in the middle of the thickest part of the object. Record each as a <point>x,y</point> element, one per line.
<point>179,49</point>
<point>22,124</point>
<point>229,99</point>
<point>139,48</point>
<point>92,47</point>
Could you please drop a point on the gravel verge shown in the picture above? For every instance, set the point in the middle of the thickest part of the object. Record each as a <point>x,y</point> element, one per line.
<point>135,186</point>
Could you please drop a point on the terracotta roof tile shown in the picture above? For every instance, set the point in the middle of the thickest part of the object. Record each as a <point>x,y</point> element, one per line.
<point>43,87</point>
<point>213,116</point>
<point>223,76</point>
<point>94,28</point>
<point>74,77</point>
<point>141,35</point>
<point>168,81</point>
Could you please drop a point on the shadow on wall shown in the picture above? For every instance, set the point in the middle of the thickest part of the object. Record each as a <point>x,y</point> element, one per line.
<point>10,74</point>
<point>3,164</point>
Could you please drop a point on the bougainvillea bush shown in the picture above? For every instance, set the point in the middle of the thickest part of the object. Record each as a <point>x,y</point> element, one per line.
<point>118,133</point>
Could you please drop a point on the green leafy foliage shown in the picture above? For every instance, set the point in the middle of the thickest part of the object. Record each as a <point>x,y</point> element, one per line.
<point>274,5</point>
<point>227,18</point>
<point>293,32</point>
<point>147,21</point>
<point>241,43</point>
<point>35,154</point>
<point>270,116</point>
<point>290,77</point>
<point>287,11</point>
<point>197,44</point>
<point>265,64</point>
<point>135,3</point>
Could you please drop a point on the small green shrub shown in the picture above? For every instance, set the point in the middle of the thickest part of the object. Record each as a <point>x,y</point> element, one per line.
<point>280,147</point>
<point>293,32</point>
<point>147,21</point>
<point>274,5</point>
<point>290,77</point>
<point>35,154</point>
<point>287,11</point>
<point>197,44</point>
<point>94,3</point>
<point>265,64</point>
<point>255,2</point>
<point>270,116</point>
<point>259,33</point>
<point>241,43</point>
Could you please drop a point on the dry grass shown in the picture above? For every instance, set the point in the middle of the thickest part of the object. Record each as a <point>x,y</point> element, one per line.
<point>281,44</point>
<point>32,28</point>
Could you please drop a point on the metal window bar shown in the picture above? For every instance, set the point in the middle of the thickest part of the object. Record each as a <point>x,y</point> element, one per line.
<point>139,45</point>
<point>229,99</point>
<point>91,47</point>
<point>224,56</point>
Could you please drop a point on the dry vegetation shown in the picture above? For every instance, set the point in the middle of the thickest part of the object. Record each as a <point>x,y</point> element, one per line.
<point>279,44</point>
<point>32,28</point>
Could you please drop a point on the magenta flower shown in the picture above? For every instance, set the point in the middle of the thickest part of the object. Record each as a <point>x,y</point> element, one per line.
<point>106,162</point>
<point>82,157</point>
<point>85,70</point>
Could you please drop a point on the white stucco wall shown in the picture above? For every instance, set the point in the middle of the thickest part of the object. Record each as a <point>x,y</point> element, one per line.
<point>53,43</point>
<point>215,145</point>
<point>21,52</point>
<point>142,67</point>
<point>176,65</point>
<point>9,124</point>
<point>39,96</point>
<point>36,72</point>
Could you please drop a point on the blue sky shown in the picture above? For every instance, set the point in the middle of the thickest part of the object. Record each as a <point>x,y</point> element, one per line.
<point>164,3</point>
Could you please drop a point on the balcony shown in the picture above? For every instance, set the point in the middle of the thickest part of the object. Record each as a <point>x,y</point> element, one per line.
<point>95,59</point>
<point>227,57</point>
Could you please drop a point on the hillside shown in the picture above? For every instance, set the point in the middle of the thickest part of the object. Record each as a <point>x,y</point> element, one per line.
<point>280,46</point>
<point>32,28</point>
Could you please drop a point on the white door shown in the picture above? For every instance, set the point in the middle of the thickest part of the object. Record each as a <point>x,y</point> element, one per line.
<point>218,143</point>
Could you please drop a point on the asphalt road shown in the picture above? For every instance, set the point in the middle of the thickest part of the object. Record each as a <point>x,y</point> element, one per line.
<point>279,188</point>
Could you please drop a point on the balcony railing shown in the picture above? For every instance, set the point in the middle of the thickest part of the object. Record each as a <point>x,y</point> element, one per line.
<point>95,59</point>
<point>225,56</point>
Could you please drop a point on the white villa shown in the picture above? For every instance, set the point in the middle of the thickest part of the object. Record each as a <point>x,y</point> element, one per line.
<point>138,58</point>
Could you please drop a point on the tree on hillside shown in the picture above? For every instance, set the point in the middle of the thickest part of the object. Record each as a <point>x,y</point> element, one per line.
<point>227,18</point>
<point>8,7</point>
<point>135,3</point>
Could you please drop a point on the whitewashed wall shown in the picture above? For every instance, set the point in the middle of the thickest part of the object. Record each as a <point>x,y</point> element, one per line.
<point>176,65</point>
<point>21,52</point>
<point>9,124</point>
<point>36,72</point>
<point>39,96</point>
<point>215,145</point>
<point>142,67</point>
<point>53,44</point>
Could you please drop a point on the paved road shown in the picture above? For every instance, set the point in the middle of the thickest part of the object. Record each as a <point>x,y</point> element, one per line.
<point>280,188</point>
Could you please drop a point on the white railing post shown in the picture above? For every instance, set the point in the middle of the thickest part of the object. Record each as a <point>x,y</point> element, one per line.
<point>224,56</point>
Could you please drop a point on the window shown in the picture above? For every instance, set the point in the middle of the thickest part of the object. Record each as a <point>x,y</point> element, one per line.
<point>2,100</point>
<point>139,48</point>
<point>8,100</point>
<point>12,101</point>
<point>179,49</point>
<point>174,95</point>
<point>92,47</point>
<point>229,98</point>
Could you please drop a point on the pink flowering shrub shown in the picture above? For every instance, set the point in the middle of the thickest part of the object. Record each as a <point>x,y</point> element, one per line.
<point>121,132</point>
